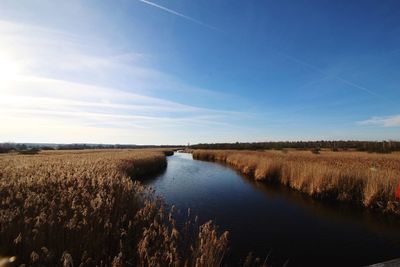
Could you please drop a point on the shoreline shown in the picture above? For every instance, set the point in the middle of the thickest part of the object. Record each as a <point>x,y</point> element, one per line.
<point>331,177</point>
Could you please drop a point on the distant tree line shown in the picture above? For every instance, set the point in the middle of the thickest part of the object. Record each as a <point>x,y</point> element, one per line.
<point>105,146</point>
<point>9,147</point>
<point>32,148</point>
<point>369,146</point>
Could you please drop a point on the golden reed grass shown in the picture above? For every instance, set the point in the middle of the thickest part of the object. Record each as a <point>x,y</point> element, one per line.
<point>81,208</point>
<point>370,180</point>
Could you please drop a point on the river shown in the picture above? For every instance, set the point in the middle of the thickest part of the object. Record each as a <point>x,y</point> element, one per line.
<point>274,220</point>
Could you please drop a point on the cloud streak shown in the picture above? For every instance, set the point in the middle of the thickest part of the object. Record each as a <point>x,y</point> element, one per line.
<point>179,14</point>
<point>383,121</point>
<point>62,90</point>
<point>34,107</point>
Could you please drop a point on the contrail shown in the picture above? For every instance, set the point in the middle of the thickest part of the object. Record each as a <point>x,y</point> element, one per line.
<point>359,87</point>
<point>179,14</point>
<point>294,59</point>
<point>345,81</point>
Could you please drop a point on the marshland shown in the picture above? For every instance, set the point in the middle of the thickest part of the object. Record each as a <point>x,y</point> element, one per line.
<point>141,207</point>
<point>278,224</point>
<point>207,133</point>
<point>367,179</point>
<point>82,208</point>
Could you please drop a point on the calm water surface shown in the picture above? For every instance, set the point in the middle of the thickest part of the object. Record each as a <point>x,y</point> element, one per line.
<point>264,218</point>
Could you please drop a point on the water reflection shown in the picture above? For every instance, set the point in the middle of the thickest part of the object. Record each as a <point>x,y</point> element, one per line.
<point>262,218</point>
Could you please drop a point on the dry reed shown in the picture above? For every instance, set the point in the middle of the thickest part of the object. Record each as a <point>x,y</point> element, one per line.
<point>81,208</point>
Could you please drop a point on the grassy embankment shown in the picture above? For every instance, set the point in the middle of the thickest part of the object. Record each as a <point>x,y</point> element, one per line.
<point>369,180</point>
<point>82,208</point>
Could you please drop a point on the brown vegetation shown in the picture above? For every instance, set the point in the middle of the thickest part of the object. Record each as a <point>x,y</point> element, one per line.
<point>363,178</point>
<point>82,209</point>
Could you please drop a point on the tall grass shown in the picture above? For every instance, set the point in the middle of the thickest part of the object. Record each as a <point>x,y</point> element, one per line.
<point>369,180</point>
<point>82,209</point>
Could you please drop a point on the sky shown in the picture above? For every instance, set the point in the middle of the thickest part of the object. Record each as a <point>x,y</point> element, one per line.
<point>179,71</point>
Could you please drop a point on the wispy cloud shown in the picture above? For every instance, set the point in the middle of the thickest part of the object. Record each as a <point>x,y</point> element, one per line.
<point>63,90</point>
<point>384,121</point>
<point>179,14</point>
<point>32,107</point>
<point>51,53</point>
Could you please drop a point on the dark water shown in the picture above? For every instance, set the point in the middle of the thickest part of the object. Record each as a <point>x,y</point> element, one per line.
<point>264,218</point>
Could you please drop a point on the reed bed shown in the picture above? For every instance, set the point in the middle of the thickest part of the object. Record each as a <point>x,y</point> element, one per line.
<point>366,179</point>
<point>81,208</point>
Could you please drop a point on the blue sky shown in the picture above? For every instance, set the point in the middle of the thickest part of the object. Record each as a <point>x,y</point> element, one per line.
<point>178,71</point>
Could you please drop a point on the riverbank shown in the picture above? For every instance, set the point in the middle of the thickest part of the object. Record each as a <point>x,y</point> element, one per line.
<point>368,180</point>
<point>82,208</point>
